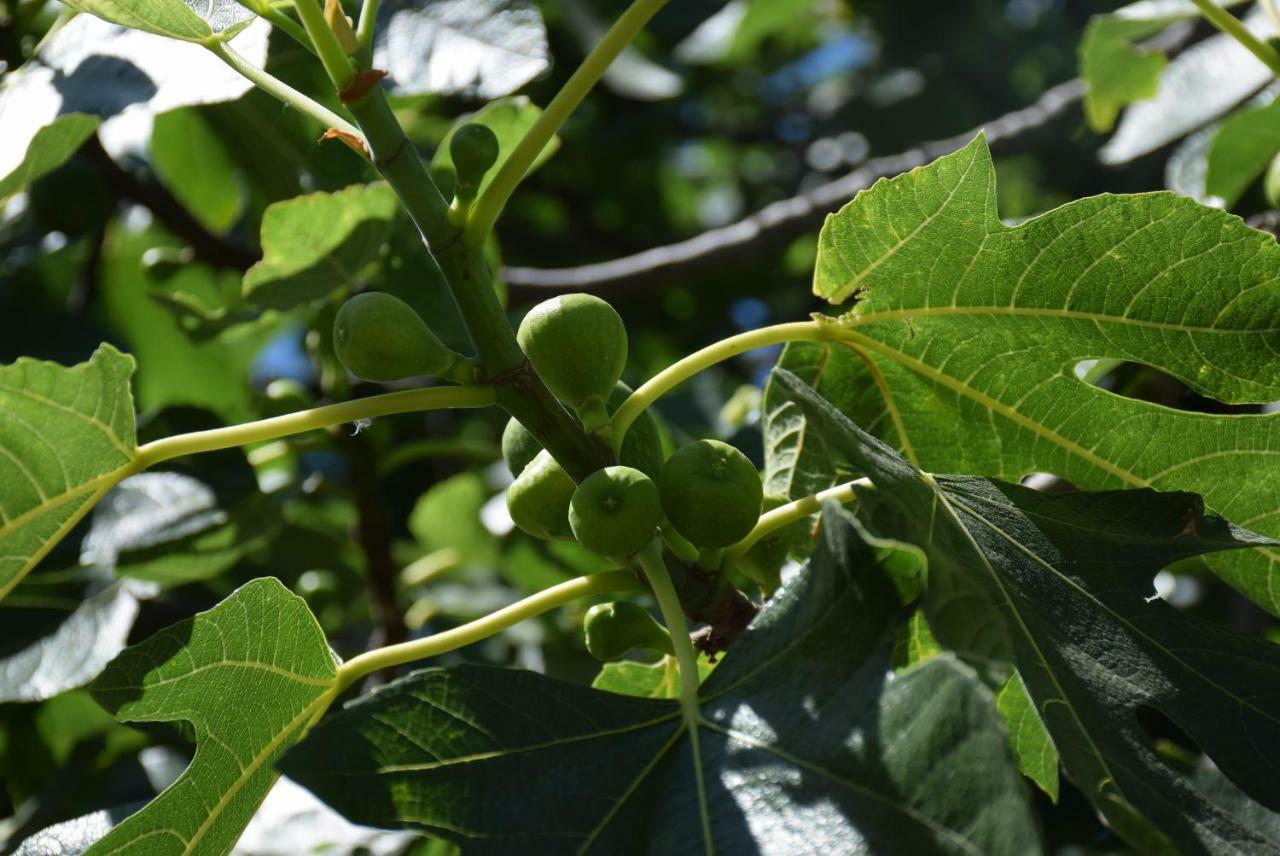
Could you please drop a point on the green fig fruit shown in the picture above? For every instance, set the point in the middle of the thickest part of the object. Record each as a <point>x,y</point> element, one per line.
<point>613,629</point>
<point>538,499</point>
<point>615,511</point>
<point>578,345</point>
<point>711,493</point>
<point>378,337</point>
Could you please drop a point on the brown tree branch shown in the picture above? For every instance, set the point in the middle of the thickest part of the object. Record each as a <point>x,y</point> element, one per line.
<point>778,223</point>
<point>209,248</point>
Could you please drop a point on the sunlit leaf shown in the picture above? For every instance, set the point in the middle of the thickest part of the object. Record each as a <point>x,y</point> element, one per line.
<point>973,330</point>
<point>187,20</point>
<point>1199,85</point>
<point>46,151</point>
<point>249,676</point>
<point>317,243</point>
<point>66,437</point>
<point>804,742</point>
<point>482,49</point>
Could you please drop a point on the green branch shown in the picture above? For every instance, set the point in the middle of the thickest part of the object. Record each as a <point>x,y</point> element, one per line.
<point>482,628</point>
<point>334,59</point>
<point>679,372</point>
<point>785,515</point>
<point>1234,27</point>
<point>407,401</point>
<point>366,29</point>
<point>281,91</point>
<point>487,208</point>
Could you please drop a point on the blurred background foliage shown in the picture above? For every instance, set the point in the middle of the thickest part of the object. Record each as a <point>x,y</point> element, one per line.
<point>398,528</point>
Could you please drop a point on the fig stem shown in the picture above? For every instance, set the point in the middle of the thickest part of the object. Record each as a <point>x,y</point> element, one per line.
<point>784,515</point>
<point>682,370</point>
<point>655,570</point>
<point>1234,27</point>
<point>482,628</point>
<point>513,169</point>
<point>406,401</point>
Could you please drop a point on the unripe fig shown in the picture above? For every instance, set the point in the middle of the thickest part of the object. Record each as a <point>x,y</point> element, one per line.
<point>538,499</point>
<point>474,149</point>
<point>519,447</point>
<point>615,511</point>
<point>711,493</point>
<point>379,337</point>
<point>613,629</point>
<point>578,345</point>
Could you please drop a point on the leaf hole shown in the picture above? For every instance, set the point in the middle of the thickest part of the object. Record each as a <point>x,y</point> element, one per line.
<point>1142,382</point>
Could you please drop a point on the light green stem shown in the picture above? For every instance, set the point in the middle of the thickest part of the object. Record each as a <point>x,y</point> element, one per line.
<point>366,29</point>
<point>334,59</point>
<point>785,515</point>
<point>482,628</point>
<point>433,398</point>
<point>282,91</point>
<point>655,570</point>
<point>285,24</point>
<point>678,373</point>
<point>1234,27</point>
<point>487,208</point>
<point>1273,12</point>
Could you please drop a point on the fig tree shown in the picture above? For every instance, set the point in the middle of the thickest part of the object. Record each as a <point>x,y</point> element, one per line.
<point>711,493</point>
<point>615,511</point>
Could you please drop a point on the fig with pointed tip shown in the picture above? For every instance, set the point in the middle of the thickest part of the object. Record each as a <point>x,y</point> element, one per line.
<point>711,493</point>
<point>613,629</point>
<point>474,150</point>
<point>578,345</point>
<point>615,511</point>
<point>379,337</point>
<point>538,500</point>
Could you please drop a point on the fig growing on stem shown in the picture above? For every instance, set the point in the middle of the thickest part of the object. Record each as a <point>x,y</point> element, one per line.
<point>379,337</point>
<point>538,500</point>
<point>711,493</point>
<point>613,629</point>
<point>615,511</point>
<point>578,345</point>
<point>474,149</point>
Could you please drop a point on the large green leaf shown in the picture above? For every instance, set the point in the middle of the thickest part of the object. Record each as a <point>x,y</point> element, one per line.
<point>1241,150</point>
<point>249,675</point>
<point>804,742</point>
<point>314,244</point>
<point>1068,579</point>
<point>973,330</point>
<point>66,436</point>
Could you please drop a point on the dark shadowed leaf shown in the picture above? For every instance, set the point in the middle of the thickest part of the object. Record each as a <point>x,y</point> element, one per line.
<point>1067,580</point>
<point>805,741</point>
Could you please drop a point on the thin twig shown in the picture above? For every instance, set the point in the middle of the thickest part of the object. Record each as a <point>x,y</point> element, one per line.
<point>781,221</point>
<point>209,248</point>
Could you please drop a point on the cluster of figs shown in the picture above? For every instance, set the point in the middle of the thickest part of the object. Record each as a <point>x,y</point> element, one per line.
<point>706,491</point>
